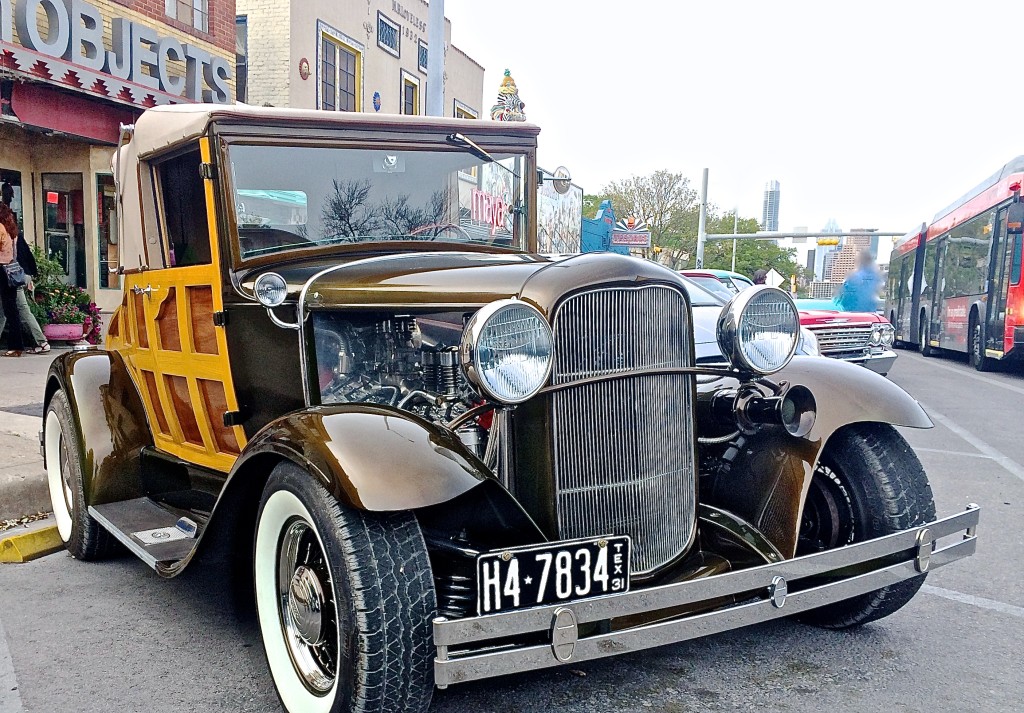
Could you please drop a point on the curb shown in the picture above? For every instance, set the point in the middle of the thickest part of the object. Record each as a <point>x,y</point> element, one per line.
<point>27,546</point>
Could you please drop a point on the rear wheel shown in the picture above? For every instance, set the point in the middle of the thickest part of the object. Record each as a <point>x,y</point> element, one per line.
<point>869,483</point>
<point>976,349</point>
<point>84,537</point>
<point>345,601</point>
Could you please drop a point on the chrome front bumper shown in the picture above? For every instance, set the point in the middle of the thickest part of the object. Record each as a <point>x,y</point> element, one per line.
<point>879,362</point>
<point>470,649</point>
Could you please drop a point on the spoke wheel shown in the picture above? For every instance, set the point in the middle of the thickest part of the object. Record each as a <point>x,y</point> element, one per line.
<point>307,607</point>
<point>345,601</point>
<point>828,519</point>
<point>868,484</point>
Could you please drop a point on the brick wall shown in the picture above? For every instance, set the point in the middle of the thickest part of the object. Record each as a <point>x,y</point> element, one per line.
<point>269,49</point>
<point>221,19</point>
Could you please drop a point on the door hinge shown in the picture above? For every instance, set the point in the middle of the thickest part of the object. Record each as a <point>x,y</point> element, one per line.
<point>220,319</point>
<point>233,418</point>
<point>207,171</point>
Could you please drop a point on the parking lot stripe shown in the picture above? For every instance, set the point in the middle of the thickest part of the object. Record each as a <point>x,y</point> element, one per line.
<point>1011,466</point>
<point>982,602</point>
<point>10,697</point>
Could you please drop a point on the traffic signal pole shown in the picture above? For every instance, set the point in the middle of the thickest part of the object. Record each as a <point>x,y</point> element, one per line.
<point>701,223</point>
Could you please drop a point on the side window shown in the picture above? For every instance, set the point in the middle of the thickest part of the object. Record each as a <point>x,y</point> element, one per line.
<point>183,210</point>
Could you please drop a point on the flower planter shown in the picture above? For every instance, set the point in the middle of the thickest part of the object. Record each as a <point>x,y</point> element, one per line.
<point>62,332</point>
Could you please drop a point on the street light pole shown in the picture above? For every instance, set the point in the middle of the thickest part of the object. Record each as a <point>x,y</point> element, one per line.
<point>735,229</point>
<point>701,223</point>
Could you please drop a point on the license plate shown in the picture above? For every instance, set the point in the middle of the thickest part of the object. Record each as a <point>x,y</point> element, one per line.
<point>548,574</point>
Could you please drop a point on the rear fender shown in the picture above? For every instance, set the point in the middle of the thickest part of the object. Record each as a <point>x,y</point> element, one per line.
<point>109,418</point>
<point>369,457</point>
<point>771,475</point>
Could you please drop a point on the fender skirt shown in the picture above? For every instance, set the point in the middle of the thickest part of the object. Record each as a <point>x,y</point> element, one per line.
<point>110,419</point>
<point>770,476</point>
<point>371,457</point>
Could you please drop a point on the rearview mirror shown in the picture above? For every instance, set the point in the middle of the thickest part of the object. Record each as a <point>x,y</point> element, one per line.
<point>1015,219</point>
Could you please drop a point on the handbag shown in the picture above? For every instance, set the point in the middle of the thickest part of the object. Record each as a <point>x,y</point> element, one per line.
<point>15,275</point>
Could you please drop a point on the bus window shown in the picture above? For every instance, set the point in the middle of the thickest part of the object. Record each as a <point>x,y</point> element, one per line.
<point>929,270</point>
<point>1015,272</point>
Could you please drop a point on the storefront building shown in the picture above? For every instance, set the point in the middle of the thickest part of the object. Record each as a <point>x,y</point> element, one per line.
<point>72,71</point>
<point>348,56</point>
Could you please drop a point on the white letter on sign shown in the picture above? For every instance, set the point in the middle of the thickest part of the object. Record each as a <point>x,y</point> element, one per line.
<point>144,41</point>
<point>491,581</point>
<point>57,26</point>
<point>119,58</point>
<point>86,45</point>
<point>6,22</point>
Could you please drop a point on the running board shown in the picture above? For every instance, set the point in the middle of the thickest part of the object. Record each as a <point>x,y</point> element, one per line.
<point>155,535</point>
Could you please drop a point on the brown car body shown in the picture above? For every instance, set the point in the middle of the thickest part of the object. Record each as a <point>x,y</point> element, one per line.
<point>200,393</point>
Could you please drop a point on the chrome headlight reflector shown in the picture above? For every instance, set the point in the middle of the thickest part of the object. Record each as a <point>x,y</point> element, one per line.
<point>507,351</point>
<point>888,335</point>
<point>758,329</point>
<point>270,289</point>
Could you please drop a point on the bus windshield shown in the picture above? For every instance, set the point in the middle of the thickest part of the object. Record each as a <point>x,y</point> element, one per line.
<point>289,198</point>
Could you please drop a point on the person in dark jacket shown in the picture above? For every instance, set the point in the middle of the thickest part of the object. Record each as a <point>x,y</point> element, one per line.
<point>27,261</point>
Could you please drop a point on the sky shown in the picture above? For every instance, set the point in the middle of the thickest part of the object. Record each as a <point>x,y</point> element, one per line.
<point>877,114</point>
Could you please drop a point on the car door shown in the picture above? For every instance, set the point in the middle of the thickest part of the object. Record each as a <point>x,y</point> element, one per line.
<point>178,351</point>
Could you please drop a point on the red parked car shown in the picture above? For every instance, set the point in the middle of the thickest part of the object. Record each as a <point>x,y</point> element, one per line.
<point>864,338</point>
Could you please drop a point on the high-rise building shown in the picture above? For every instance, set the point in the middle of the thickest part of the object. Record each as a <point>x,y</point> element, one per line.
<point>825,248</point>
<point>845,260</point>
<point>770,212</point>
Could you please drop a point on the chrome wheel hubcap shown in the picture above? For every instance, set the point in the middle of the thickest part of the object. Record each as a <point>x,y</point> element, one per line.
<point>307,608</point>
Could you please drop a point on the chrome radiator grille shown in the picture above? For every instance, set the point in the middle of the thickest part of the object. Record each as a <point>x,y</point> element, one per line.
<point>843,340</point>
<point>623,448</point>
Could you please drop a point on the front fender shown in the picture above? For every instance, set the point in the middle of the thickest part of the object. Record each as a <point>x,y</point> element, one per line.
<point>371,457</point>
<point>771,475</point>
<point>109,418</point>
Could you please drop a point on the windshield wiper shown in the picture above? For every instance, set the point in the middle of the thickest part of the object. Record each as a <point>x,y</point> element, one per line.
<point>474,149</point>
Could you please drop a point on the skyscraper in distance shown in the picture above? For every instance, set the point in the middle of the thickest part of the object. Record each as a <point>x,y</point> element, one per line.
<point>770,211</point>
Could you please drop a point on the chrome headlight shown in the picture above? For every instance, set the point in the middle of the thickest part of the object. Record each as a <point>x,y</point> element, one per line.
<point>758,329</point>
<point>808,345</point>
<point>506,351</point>
<point>270,289</point>
<point>888,335</point>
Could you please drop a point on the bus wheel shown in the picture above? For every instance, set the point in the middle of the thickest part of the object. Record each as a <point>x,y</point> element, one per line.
<point>922,339</point>
<point>976,353</point>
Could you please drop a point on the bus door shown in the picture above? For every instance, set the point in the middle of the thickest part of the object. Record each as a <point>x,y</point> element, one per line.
<point>998,286</point>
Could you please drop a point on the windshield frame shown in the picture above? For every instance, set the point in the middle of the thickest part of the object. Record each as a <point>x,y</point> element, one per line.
<point>383,140</point>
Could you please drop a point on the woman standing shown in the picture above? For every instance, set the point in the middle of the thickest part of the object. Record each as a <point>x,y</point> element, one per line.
<point>8,294</point>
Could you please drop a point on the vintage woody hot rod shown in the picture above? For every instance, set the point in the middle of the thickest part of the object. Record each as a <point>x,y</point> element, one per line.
<point>439,456</point>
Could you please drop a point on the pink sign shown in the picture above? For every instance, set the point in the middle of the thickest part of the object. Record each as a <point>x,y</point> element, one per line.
<point>488,209</point>
<point>633,239</point>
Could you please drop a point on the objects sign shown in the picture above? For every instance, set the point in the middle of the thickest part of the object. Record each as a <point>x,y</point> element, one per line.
<point>73,31</point>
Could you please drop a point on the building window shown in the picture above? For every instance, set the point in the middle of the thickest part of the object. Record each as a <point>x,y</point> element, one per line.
<point>340,72</point>
<point>192,12</point>
<point>421,60</point>
<point>388,35</point>
<point>464,111</point>
<point>241,57</point>
<point>410,94</point>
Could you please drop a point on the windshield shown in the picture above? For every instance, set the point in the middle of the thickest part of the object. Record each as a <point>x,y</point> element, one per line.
<point>700,297</point>
<point>296,197</point>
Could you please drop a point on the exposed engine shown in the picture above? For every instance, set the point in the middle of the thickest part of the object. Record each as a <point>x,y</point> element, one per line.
<point>388,361</point>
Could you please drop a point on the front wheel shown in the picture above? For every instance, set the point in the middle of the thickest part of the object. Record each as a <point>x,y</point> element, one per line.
<point>922,339</point>
<point>976,351</point>
<point>345,601</point>
<point>869,483</point>
<point>84,537</point>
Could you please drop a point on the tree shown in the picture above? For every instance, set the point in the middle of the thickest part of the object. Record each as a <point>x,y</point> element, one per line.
<point>661,200</point>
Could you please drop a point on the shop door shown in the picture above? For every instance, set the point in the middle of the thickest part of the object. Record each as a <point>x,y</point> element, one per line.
<point>998,285</point>
<point>179,356</point>
<point>64,224</point>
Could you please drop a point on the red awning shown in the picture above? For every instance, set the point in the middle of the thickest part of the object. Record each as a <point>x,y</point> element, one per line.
<point>47,108</point>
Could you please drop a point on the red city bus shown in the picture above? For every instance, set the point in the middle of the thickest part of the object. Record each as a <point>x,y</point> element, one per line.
<point>956,284</point>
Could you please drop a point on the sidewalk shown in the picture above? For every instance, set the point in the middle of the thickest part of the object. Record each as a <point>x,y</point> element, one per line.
<point>23,488</point>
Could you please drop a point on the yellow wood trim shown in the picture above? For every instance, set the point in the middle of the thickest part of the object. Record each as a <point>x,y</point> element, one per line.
<point>230,397</point>
<point>202,418</point>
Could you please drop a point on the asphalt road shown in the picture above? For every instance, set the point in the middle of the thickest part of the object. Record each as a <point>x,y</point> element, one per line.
<point>113,636</point>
